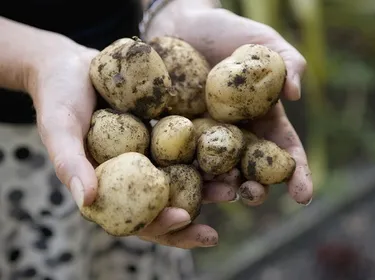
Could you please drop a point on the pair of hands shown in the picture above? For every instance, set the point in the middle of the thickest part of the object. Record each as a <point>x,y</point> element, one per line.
<point>65,99</point>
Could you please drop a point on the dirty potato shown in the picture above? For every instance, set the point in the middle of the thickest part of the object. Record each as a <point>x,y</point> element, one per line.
<point>219,149</point>
<point>112,133</point>
<point>245,85</point>
<point>185,188</point>
<point>188,70</point>
<point>132,77</point>
<point>266,163</point>
<point>202,124</point>
<point>249,136</point>
<point>131,194</point>
<point>173,141</point>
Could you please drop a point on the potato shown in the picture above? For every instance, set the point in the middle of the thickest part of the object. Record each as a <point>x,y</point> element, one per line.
<point>131,194</point>
<point>112,133</point>
<point>253,193</point>
<point>188,70</point>
<point>266,163</point>
<point>173,141</point>
<point>249,136</point>
<point>185,188</point>
<point>132,77</point>
<point>202,124</point>
<point>219,149</point>
<point>245,85</point>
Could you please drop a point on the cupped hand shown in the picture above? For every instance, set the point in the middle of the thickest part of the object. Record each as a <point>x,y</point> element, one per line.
<point>65,99</point>
<point>216,33</point>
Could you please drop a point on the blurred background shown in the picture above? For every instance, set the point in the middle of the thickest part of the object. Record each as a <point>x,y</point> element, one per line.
<point>333,238</point>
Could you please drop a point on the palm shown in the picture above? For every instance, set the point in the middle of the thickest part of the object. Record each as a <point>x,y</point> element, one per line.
<point>217,34</point>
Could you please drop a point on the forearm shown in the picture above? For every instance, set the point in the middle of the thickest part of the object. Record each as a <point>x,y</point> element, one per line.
<point>22,49</point>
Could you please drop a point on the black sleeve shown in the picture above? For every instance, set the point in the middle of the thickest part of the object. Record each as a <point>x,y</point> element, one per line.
<point>94,26</point>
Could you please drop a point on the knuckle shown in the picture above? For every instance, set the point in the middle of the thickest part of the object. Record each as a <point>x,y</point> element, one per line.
<point>302,62</point>
<point>59,164</point>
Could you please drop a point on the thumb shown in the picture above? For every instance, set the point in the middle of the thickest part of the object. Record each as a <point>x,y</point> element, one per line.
<point>62,135</point>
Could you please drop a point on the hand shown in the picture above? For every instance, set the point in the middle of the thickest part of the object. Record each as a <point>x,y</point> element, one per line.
<point>64,100</point>
<point>216,33</point>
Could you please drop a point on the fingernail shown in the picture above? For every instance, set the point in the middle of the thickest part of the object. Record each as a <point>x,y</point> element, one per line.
<point>297,83</point>
<point>307,203</point>
<point>208,245</point>
<point>76,188</point>
<point>235,199</point>
<point>179,225</point>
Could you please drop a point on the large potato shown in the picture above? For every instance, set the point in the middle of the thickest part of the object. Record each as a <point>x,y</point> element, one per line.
<point>131,194</point>
<point>245,85</point>
<point>173,141</point>
<point>185,188</point>
<point>219,149</point>
<point>132,77</point>
<point>188,70</point>
<point>266,163</point>
<point>112,133</point>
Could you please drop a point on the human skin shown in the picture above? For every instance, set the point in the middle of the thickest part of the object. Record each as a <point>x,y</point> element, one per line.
<point>64,100</point>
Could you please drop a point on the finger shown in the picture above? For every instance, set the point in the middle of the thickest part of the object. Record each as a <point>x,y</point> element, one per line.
<point>300,185</point>
<point>215,192</point>
<point>63,137</point>
<point>169,219</point>
<point>195,235</point>
<point>233,178</point>
<point>253,193</point>
<point>295,64</point>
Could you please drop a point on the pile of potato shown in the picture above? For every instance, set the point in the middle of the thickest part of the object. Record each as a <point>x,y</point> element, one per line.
<point>173,118</point>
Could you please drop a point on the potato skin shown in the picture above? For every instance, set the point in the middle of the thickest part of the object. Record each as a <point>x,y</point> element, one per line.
<point>173,141</point>
<point>266,163</point>
<point>219,149</point>
<point>131,194</point>
<point>202,124</point>
<point>188,70</point>
<point>132,77</point>
<point>112,133</point>
<point>249,136</point>
<point>245,85</point>
<point>186,186</point>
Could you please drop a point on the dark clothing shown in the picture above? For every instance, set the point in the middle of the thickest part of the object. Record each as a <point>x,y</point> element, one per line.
<point>89,24</point>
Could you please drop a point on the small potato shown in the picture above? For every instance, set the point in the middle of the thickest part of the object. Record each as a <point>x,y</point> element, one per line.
<point>112,133</point>
<point>132,77</point>
<point>202,124</point>
<point>173,141</point>
<point>219,149</point>
<point>188,70</point>
<point>253,193</point>
<point>245,85</point>
<point>185,188</point>
<point>266,163</point>
<point>249,136</point>
<point>131,194</point>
